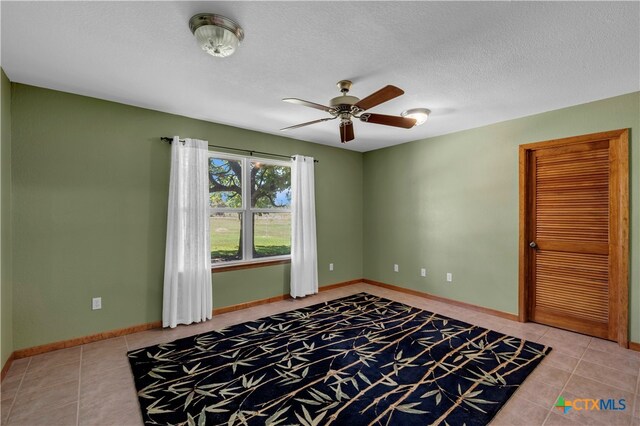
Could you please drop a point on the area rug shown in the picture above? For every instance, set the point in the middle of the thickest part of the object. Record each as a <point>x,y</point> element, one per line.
<point>358,360</point>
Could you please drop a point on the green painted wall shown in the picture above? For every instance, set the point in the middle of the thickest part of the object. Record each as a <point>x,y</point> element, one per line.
<point>6,299</point>
<point>450,204</point>
<point>90,183</point>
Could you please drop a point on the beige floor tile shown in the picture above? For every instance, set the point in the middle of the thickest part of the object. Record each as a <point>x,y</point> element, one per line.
<point>196,328</point>
<point>510,322</point>
<point>13,377</point>
<point>5,408</point>
<point>531,326</point>
<point>125,414</point>
<point>556,418</point>
<point>466,317</point>
<point>612,347</point>
<point>110,408</point>
<point>569,337</point>
<point>183,331</point>
<point>18,367</point>
<point>10,386</point>
<point>108,344</point>
<point>506,322</point>
<point>521,333</point>
<point>448,311</point>
<point>29,404</point>
<point>105,359</point>
<point>145,338</point>
<point>563,346</point>
<point>94,387</point>
<point>629,364</point>
<point>488,323</point>
<point>434,306</point>
<point>519,411</point>
<point>54,359</point>
<point>539,393</point>
<point>550,375</point>
<point>47,377</point>
<point>561,360</point>
<point>65,415</point>
<point>587,388</point>
<point>103,368</point>
<point>609,376</point>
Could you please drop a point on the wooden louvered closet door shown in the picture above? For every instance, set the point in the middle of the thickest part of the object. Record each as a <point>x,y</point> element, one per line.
<point>574,236</point>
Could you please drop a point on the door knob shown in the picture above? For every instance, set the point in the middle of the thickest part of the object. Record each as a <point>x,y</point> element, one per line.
<point>533,244</point>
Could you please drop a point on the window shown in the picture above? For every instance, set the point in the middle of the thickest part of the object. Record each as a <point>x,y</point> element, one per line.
<point>250,208</point>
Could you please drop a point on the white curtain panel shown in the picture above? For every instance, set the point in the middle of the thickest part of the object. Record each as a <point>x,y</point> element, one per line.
<point>187,271</point>
<point>304,252</point>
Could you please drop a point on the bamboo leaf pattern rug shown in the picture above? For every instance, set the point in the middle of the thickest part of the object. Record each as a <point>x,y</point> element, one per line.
<point>358,360</point>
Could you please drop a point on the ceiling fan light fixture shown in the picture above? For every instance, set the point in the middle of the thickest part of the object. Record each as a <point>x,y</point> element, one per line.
<point>419,114</point>
<point>217,35</point>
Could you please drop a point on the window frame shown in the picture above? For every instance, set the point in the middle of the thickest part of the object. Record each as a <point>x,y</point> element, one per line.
<point>248,211</point>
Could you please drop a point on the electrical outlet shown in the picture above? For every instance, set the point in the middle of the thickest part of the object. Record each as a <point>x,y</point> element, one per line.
<point>423,272</point>
<point>449,277</point>
<point>396,268</point>
<point>331,266</point>
<point>96,303</point>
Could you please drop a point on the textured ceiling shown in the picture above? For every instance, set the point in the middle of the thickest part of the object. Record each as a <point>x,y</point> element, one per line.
<point>471,63</point>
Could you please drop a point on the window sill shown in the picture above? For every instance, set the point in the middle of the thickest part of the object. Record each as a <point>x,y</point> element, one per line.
<point>250,264</point>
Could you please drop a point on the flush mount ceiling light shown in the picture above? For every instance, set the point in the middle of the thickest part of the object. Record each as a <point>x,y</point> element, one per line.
<point>217,35</point>
<point>419,114</point>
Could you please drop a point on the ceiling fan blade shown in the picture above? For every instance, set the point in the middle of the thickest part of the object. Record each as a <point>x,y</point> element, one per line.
<point>389,120</point>
<point>309,122</point>
<point>346,131</point>
<point>308,104</point>
<point>383,95</point>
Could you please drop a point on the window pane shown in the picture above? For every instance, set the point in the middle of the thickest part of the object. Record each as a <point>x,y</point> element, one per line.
<point>270,185</point>
<point>225,183</point>
<point>271,234</point>
<point>226,236</point>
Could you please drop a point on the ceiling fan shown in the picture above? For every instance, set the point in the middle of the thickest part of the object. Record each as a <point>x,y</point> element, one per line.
<point>346,107</point>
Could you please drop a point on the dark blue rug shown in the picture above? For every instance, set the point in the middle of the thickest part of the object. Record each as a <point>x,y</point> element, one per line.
<point>359,360</point>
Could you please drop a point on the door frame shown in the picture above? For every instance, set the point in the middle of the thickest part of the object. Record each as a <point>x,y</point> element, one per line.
<point>618,224</point>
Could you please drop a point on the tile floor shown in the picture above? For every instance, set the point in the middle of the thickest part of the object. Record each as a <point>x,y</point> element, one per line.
<point>92,384</point>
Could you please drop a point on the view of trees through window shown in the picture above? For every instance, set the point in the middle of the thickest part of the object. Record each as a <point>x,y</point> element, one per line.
<point>266,213</point>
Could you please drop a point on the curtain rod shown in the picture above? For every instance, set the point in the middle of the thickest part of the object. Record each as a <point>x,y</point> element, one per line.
<point>250,151</point>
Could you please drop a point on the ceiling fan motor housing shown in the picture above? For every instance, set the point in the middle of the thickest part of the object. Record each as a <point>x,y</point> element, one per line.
<point>346,100</point>
<point>342,104</point>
